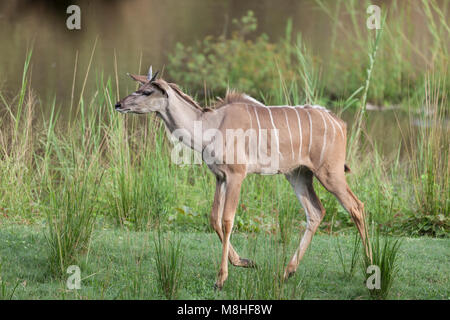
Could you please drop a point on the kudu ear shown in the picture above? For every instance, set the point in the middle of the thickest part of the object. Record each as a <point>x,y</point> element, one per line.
<point>141,79</point>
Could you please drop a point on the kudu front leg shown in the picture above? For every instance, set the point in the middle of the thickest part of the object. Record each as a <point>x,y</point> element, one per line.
<point>216,224</point>
<point>231,191</point>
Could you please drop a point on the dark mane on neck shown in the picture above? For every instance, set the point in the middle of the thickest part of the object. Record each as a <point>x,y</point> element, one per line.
<point>231,97</point>
<point>185,97</point>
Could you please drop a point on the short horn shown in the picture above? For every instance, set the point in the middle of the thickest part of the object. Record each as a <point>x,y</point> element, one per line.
<point>150,74</point>
<point>154,76</point>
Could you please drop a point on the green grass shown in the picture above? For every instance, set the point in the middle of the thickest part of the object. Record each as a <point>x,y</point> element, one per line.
<point>169,264</point>
<point>71,218</point>
<point>120,265</point>
<point>349,268</point>
<point>384,256</point>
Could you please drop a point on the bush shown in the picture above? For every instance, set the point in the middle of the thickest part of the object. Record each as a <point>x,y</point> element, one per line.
<point>234,62</point>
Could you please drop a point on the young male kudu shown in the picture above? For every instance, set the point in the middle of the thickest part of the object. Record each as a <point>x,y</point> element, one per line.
<point>308,141</point>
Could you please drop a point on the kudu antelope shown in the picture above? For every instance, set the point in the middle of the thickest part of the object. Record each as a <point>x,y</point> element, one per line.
<point>308,141</point>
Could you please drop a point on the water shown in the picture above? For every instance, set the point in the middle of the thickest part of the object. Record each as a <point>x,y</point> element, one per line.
<point>141,30</point>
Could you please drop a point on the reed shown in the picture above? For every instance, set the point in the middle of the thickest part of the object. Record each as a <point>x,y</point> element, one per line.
<point>385,252</point>
<point>169,264</point>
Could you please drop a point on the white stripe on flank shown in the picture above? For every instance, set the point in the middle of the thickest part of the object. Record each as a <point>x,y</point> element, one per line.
<point>290,134</point>
<point>310,131</point>
<point>329,115</point>
<point>334,128</point>
<point>324,144</point>
<point>251,127</point>
<point>300,133</point>
<point>339,126</point>
<point>249,115</point>
<point>259,132</point>
<point>253,100</point>
<point>276,131</point>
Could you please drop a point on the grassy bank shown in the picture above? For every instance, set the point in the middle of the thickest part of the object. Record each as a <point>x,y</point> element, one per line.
<point>101,164</point>
<point>120,265</point>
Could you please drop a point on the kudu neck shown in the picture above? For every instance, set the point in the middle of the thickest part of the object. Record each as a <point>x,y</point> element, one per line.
<point>183,120</point>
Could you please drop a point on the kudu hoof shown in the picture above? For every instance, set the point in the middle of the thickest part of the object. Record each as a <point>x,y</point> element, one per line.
<point>247,263</point>
<point>218,287</point>
<point>288,274</point>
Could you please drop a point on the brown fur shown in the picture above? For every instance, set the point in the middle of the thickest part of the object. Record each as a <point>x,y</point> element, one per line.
<point>311,143</point>
<point>232,97</point>
<point>183,95</point>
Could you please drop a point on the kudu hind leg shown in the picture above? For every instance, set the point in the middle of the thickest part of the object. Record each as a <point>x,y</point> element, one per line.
<point>337,185</point>
<point>302,183</point>
<point>356,209</point>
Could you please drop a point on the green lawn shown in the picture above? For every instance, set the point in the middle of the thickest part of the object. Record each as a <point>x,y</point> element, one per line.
<point>120,265</point>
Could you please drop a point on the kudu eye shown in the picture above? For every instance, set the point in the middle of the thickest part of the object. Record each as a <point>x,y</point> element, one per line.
<point>147,92</point>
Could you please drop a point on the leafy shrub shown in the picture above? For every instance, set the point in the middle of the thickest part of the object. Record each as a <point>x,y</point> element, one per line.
<point>235,62</point>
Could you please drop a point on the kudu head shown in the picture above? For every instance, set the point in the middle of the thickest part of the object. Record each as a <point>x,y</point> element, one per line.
<point>151,96</point>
